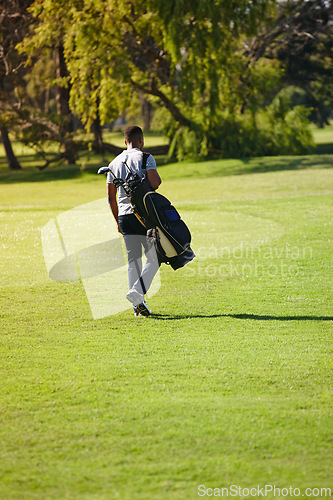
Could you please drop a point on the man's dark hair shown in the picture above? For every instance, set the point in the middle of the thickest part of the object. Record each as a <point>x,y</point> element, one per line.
<point>132,133</point>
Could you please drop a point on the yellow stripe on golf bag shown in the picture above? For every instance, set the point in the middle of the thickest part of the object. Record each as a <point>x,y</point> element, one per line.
<point>168,248</point>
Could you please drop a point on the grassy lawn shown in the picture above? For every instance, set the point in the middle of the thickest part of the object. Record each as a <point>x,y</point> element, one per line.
<point>230,381</point>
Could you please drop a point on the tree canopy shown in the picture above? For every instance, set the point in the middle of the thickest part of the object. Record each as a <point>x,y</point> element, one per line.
<point>216,67</point>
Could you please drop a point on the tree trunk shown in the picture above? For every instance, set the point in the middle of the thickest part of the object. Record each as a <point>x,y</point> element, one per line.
<point>98,134</point>
<point>62,100</point>
<point>11,158</point>
<point>47,101</point>
<point>146,112</point>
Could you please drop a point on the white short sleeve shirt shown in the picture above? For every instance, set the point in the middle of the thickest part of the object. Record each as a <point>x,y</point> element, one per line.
<point>133,158</point>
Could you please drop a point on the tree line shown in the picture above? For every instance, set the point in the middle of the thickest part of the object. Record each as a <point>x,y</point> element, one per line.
<point>224,79</point>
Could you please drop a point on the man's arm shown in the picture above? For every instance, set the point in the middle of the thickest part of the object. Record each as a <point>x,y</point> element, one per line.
<point>153,178</point>
<point>112,199</point>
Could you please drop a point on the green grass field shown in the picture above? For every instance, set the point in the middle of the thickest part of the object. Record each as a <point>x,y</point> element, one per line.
<point>229,383</point>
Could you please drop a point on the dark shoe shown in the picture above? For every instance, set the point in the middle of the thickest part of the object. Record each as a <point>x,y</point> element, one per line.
<point>142,309</point>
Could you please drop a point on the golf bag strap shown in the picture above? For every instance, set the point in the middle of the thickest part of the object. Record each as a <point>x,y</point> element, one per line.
<point>144,160</point>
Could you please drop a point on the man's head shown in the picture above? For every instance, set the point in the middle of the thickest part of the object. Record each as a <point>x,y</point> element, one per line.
<point>134,137</point>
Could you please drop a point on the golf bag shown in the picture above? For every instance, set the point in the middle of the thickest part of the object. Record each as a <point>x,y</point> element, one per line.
<point>166,231</point>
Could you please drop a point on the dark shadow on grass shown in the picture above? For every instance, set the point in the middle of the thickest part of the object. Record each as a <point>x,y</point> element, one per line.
<point>167,317</point>
<point>255,165</point>
<point>319,158</point>
<point>283,163</point>
<point>324,149</point>
<point>58,171</point>
<point>30,173</point>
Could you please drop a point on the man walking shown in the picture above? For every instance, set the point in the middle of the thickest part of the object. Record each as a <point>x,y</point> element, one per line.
<point>134,233</point>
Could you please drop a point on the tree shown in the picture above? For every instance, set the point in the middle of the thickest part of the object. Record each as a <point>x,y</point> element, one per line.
<point>180,54</point>
<point>300,36</point>
<point>191,57</point>
<point>14,21</point>
<point>21,104</point>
